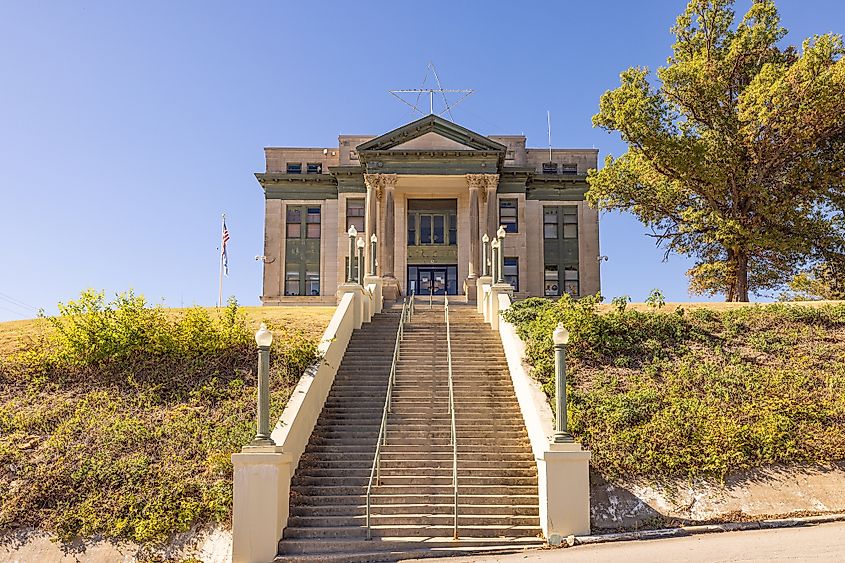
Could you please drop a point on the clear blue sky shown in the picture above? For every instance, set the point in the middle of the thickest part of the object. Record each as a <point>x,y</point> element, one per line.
<point>127,128</point>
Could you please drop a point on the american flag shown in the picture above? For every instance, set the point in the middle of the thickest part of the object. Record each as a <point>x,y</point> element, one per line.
<point>225,256</point>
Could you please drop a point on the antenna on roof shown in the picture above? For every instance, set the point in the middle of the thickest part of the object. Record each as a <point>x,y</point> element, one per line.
<point>431,92</point>
<point>549,120</point>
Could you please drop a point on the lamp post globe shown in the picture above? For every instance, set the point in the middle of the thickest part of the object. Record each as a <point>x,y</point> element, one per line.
<point>263,338</point>
<point>501,233</point>
<point>560,337</point>
<point>485,263</point>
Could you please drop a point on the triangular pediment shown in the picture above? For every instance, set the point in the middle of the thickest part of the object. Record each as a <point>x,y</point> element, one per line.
<point>432,133</point>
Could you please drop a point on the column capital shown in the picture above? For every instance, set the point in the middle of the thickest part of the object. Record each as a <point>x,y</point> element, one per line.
<point>484,182</point>
<point>379,182</point>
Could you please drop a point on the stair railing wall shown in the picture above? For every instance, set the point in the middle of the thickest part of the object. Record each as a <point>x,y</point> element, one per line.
<point>454,437</point>
<point>375,471</point>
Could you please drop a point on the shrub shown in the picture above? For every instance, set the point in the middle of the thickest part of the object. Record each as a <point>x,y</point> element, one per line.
<point>123,420</point>
<point>702,394</point>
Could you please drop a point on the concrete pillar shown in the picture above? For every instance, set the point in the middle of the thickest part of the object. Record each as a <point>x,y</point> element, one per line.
<point>387,259</point>
<point>261,500</point>
<point>492,205</point>
<point>373,183</point>
<point>565,507</point>
<point>358,301</point>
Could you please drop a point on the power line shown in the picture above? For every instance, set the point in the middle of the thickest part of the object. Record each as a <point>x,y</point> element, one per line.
<point>16,302</point>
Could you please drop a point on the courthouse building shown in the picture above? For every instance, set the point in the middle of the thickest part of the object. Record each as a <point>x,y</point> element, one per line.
<point>429,191</point>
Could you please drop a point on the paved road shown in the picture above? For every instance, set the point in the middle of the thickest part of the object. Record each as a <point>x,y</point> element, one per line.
<point>822,543</point>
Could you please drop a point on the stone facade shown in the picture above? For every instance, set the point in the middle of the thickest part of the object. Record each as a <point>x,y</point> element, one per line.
<point>429,191</point>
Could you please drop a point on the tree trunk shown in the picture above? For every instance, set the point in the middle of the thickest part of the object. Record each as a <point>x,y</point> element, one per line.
<point>738,291</point>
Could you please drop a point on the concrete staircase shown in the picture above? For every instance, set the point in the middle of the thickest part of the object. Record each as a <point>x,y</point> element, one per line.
<point>413,506</point>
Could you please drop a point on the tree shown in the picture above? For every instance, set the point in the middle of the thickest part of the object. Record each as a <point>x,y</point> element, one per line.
<point>819,283</point>
<point>736,153</point>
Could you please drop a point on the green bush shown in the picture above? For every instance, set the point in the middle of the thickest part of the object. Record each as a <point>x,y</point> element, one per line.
<point>122,421</point>
<point>695,394</point>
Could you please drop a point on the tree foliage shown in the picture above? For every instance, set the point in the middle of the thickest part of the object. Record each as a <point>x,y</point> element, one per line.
<point>736,152</point>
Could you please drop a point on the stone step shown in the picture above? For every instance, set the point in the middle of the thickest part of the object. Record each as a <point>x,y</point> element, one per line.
<point>412,530</point>
<point>397,548</point>
<point>404,490</point>
<point>410,499</point>
<point>531,510</point>
<point>412,480</point>
<point>421,519</point>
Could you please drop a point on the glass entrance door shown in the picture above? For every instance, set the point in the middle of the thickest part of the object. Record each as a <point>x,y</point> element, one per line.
<point>433,280</point>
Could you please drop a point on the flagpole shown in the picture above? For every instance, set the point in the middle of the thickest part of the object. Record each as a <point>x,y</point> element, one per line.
<point>220,291</point>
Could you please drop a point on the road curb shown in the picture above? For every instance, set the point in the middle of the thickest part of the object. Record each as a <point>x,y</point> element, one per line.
<point>705,529</point>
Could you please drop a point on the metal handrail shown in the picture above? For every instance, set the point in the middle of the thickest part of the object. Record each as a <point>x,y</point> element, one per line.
<point>375,471</point>
<point>454,436</point>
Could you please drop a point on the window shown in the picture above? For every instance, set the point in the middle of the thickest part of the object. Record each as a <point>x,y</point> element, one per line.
<point>425,229</point>
<point>453,229</point>
<point>294,222</point>
<point>355,214</point>
<point>292,282</point>
<point>294,168</point>
<point>570,222</point>
<point>569,169</point>
<point>313,223</point>
<point>550,168</point>
<point>507,215</point>
<point>570,280</point>
<point>412,229</point>
<point>551,280</point>
<point>439,229</point>
<point>512,272</point>
<point>353,155</point>
<point>314,168</point>
<point>550,223</point>
<point>312,282</point>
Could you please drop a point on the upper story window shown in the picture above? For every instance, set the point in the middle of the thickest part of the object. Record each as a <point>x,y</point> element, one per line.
<point>508,216</point>
<point>511,272</point>
<point>560,221</point>
<point>550,168</point>
<point>315,168</point>
<point>569,169</point>
<point>432,229</point>
<point>294,168</point>
<point>355,214</point>
<point>303,220</point>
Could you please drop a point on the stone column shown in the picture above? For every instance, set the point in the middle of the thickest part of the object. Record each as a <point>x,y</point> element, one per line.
<point>390,287</point>
<point>474,181</point>
<point>492,181</point>
<point>387,257</point>
<point>373,183</point>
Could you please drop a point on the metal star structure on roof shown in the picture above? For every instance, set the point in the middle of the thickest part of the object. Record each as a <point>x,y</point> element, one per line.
<point>447,106</point>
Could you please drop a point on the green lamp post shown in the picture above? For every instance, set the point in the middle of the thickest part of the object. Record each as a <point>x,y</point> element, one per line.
<point>360,261</point>
<point>560,337</point>
<point>485,265</point>
<point>350,275</point>
<point>500,234</point>
<point>373,241</point>
<point>494,246</point>
<point>263,338</point>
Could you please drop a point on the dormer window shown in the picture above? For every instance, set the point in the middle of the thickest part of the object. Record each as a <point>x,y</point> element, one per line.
<point>315,168</point>
<point>294,168</point>
<point>569,169</point>
<point>550,168</point>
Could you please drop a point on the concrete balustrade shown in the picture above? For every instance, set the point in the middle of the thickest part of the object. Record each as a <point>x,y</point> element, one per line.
<point>262,475</point>
<point>562,469</point>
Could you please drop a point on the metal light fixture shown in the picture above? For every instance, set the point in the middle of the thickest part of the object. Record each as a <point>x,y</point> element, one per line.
<point>263,338</point>
<point>495,249</point>
<point>485,265</point>
<point>360,265</point>
<point>373,241</point>
<point>560,337</point>
<point>353,232</point>
<point>500,234</point>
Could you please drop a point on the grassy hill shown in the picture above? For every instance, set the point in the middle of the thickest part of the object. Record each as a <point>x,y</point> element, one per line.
<point>118,419</point>
<point>704,390</point>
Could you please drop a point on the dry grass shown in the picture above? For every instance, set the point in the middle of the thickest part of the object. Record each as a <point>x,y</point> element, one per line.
<point>16,336</point>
